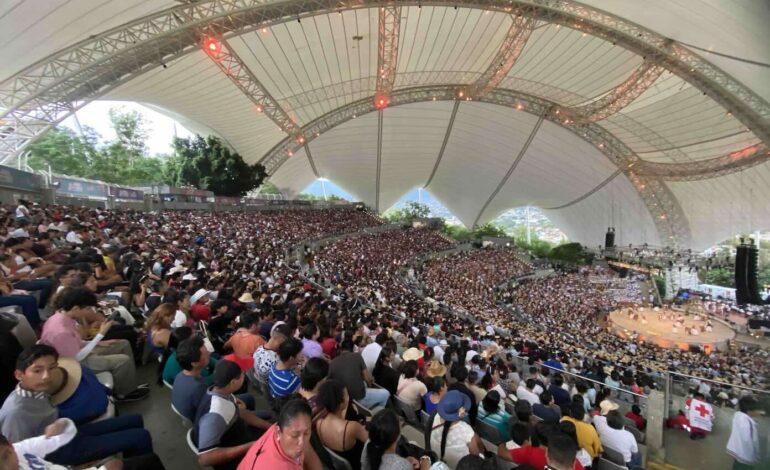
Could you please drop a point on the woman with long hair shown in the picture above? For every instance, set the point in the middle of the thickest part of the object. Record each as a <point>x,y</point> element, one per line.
<point>344,437</point>
<point>158,327</point>
<point>437,388</point>
<point>384,374</point>
<point>380,451</point>
<point>491,413</point>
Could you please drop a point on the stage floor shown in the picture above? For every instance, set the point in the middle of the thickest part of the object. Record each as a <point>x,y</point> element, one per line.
<point>656,329</point>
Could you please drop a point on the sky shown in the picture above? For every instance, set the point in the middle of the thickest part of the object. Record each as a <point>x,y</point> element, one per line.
<point>160,127</point>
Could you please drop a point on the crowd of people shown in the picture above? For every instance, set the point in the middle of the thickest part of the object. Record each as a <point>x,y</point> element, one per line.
<point>219,297</point>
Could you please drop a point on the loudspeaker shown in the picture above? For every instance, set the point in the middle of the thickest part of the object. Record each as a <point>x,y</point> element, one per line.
<point>751,275</point>
<point>741,275</point>
<point>609,238</point>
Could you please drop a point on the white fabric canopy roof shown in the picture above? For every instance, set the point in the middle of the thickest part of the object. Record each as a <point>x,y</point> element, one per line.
<point>326,61</point>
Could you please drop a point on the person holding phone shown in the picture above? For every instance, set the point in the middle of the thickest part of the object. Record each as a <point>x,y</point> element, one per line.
<point>61,331</point>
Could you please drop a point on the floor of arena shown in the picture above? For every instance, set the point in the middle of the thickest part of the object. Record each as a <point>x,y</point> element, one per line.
<point>662,331</point>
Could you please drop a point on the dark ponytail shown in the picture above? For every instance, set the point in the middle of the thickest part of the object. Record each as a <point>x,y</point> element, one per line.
<point>384,430</point>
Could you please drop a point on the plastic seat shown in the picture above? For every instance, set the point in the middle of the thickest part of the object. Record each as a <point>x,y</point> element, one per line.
<point>185,420</point>
<point>168,385</point>
<point>614,456</point>
<point>605,464</point>
<point>190,442</point>
<point>488,432</point>
<point>340,463</point>
<point>106,379</point>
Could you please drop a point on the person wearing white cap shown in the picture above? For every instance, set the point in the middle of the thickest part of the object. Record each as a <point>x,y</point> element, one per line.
<point>199,308</point>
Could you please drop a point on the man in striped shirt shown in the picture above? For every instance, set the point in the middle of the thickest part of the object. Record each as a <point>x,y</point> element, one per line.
<point>284,376</point>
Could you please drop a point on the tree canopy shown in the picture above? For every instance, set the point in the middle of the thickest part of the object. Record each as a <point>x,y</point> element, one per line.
<point>205,163</point>
<point>411,210</point>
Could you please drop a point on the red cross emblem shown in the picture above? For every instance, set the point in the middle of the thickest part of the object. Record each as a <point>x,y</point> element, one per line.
<point>702,410</point>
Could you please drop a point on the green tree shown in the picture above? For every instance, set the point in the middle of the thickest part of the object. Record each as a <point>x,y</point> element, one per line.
<point>416,210</point>
<point>573,253</point>
<point>63,151</point>
<point>724,277</point>
<point>488,230</point>
<point>209,164</point>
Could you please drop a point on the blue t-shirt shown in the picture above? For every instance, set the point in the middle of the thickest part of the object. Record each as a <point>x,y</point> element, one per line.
<point>187,394</point>
<point>89,401</point>
<point>283,382</point>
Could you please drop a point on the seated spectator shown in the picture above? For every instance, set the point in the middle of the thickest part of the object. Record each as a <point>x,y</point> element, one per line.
<point>266,355</point>
<point>537,457</point>
<point>310,345</point>
<point>491,413</point>
<point>587,436</point>
<point>561,396</point>
<point>460,373</point>
<point>181,300</point>
<point>76,392</point>
<point>546,409</point>
<point>561,453</point>
<point>190,385</point>
<point>349,368</point>
<point>158,327</point>
<point>380,450</point>
<point>612,435</point>
<point>371,352</point>
<point>224,428</point>
<point>523,453</point>
<point>475,462</point>
<point>30,453</point>
<point>199,305</point>
<point>527,391</point>
<point>113,356</point>
<point>28,411</point>
<point>582,456</point>
<point>286,444</point>
<point>451,438</point>
<point>328,342</point>
<point>344,437</point>
<point>437,388</point>
<point>473,385</point>
<point>635,415</point>
<point>410,387</point>
<point>384,374</point>
<point>246,340</point>
<point>27,303</point>
<point>172,366</point>
<point>284,376</point>
<point>310,379</point>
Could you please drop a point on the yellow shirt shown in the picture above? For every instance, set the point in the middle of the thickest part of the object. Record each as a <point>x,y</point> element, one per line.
<point>587,437</point>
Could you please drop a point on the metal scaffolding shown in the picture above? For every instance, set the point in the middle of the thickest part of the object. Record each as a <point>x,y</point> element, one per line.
<point>48,91</point>
<point>389,26</point>
<point>667,214</point>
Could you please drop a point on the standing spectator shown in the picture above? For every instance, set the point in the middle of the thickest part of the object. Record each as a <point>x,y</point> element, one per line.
<point>743,444</point>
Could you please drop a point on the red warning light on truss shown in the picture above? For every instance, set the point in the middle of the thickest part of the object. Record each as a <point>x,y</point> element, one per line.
<point>381,101</point>
<point>212,46</point>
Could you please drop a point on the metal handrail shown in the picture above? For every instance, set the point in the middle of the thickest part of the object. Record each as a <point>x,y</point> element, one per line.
<point>719,382</point>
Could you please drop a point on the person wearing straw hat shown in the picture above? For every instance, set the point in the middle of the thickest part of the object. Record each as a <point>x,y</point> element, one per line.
<point>435,369</point>
<point>451,437</point>
<point>76,392</point>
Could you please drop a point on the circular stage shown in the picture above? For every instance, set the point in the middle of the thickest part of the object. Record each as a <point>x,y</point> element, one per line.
<point>671,328</point>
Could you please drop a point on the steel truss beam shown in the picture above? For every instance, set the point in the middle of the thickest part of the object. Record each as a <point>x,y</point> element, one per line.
<point>387,52</point>
<point>48,91</point>
<point>621,96</point>
<point>709,168</point>
<point>506,56</point>
<point>669,219</point>
<point>239,73</point>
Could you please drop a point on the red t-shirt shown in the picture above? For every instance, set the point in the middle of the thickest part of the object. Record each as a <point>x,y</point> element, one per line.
<point>200,312</point>
<point>329,347</point>
<point>535,456</point>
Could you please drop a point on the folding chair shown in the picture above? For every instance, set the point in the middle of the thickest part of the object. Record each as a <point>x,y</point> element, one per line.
<point>340,463</point>
<point>407,410</point>
<point>614,456</point>
<point>489,432</point>
<point>605,464</point>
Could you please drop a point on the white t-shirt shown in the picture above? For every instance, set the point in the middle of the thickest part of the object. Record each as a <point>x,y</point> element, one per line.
<point>370,354</point>
<point>73,237</point>
<point>22,211</point>
<point>460,435</point>
<point>180,319</point>
<point>411,391</point>
<point>617,439</point>
<point>522,393</point>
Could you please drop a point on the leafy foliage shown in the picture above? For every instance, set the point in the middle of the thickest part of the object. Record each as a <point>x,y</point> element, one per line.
<point>313,197</point>
<point>411,210</point>
<point>203,163</point>
<point>206,163</point>
<point>572,253</point>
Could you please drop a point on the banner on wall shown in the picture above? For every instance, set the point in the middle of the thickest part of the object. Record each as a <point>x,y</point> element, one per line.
<point>227,200</point>
<point>126,193</point>
<point>79,188</point>
<point>17,179</point>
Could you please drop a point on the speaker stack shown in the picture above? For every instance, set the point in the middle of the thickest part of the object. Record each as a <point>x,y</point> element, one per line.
<point>609,239</point>
<point>746,283</point>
